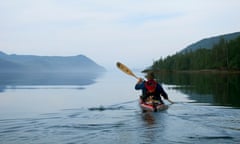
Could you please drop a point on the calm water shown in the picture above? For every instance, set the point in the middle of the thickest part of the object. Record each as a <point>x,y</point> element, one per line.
<point>104,109</point>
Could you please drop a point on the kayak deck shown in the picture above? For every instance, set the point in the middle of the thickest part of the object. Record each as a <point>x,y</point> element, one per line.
<point>152,106</point>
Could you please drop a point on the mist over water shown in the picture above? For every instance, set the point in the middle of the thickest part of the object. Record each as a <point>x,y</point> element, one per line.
<point>104,109</point>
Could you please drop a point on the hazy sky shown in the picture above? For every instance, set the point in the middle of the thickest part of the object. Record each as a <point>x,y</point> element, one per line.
<point>135,32</point>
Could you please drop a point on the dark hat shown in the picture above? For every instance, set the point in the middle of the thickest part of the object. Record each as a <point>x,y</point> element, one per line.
<point>150,75</point>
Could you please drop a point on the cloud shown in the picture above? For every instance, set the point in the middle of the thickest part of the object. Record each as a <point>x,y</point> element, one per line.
<point>137,30</point>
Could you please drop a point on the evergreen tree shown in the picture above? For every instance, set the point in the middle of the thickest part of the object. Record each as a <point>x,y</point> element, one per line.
<point>224,55</point>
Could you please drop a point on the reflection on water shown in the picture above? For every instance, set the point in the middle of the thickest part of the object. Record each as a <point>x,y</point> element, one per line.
<point>107,112</point>
<point>23,79</point>
<point>149,118</point>
<point>214,88</point>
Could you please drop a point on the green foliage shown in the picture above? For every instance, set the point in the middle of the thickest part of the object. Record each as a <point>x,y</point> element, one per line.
<point>223,56</point>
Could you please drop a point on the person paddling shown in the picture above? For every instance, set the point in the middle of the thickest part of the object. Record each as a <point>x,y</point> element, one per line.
<point>151,89</point>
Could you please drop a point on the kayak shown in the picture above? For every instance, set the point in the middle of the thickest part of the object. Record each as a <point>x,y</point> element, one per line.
<point>152,106</point>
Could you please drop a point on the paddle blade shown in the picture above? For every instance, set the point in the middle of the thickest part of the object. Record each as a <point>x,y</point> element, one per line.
<point>125,69</point>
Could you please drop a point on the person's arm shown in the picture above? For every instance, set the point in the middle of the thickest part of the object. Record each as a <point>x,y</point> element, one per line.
<point>162,92</point>
<point>140,84</point>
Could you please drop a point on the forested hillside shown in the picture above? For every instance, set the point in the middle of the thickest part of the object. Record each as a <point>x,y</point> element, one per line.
<point>225,55</point>
<point>208,43</point>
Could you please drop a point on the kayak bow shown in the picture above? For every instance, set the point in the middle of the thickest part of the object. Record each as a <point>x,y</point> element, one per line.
<point>152,106</point>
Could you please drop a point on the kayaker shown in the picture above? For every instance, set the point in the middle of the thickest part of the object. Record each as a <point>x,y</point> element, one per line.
<point>151,88</point>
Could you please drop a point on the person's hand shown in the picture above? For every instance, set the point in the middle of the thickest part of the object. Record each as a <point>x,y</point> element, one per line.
<point>140,80</point>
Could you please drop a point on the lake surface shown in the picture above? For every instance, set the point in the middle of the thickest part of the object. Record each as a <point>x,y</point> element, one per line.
<point>104,109</point>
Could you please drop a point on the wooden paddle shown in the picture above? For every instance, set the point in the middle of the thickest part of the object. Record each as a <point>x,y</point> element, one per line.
<point>126,70</point>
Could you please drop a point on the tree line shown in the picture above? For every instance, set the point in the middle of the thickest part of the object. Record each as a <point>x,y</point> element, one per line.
<point>225,55</point>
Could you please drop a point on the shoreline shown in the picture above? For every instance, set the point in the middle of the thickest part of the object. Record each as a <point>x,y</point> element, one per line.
<point>208,71</point>
<point>211,71</point>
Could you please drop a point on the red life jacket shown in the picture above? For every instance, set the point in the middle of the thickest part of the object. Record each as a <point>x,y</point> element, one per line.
<point>151,86</point>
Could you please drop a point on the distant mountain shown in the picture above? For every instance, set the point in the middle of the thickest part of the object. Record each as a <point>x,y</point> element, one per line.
<point>208,43</point>
<point>60,64</point>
